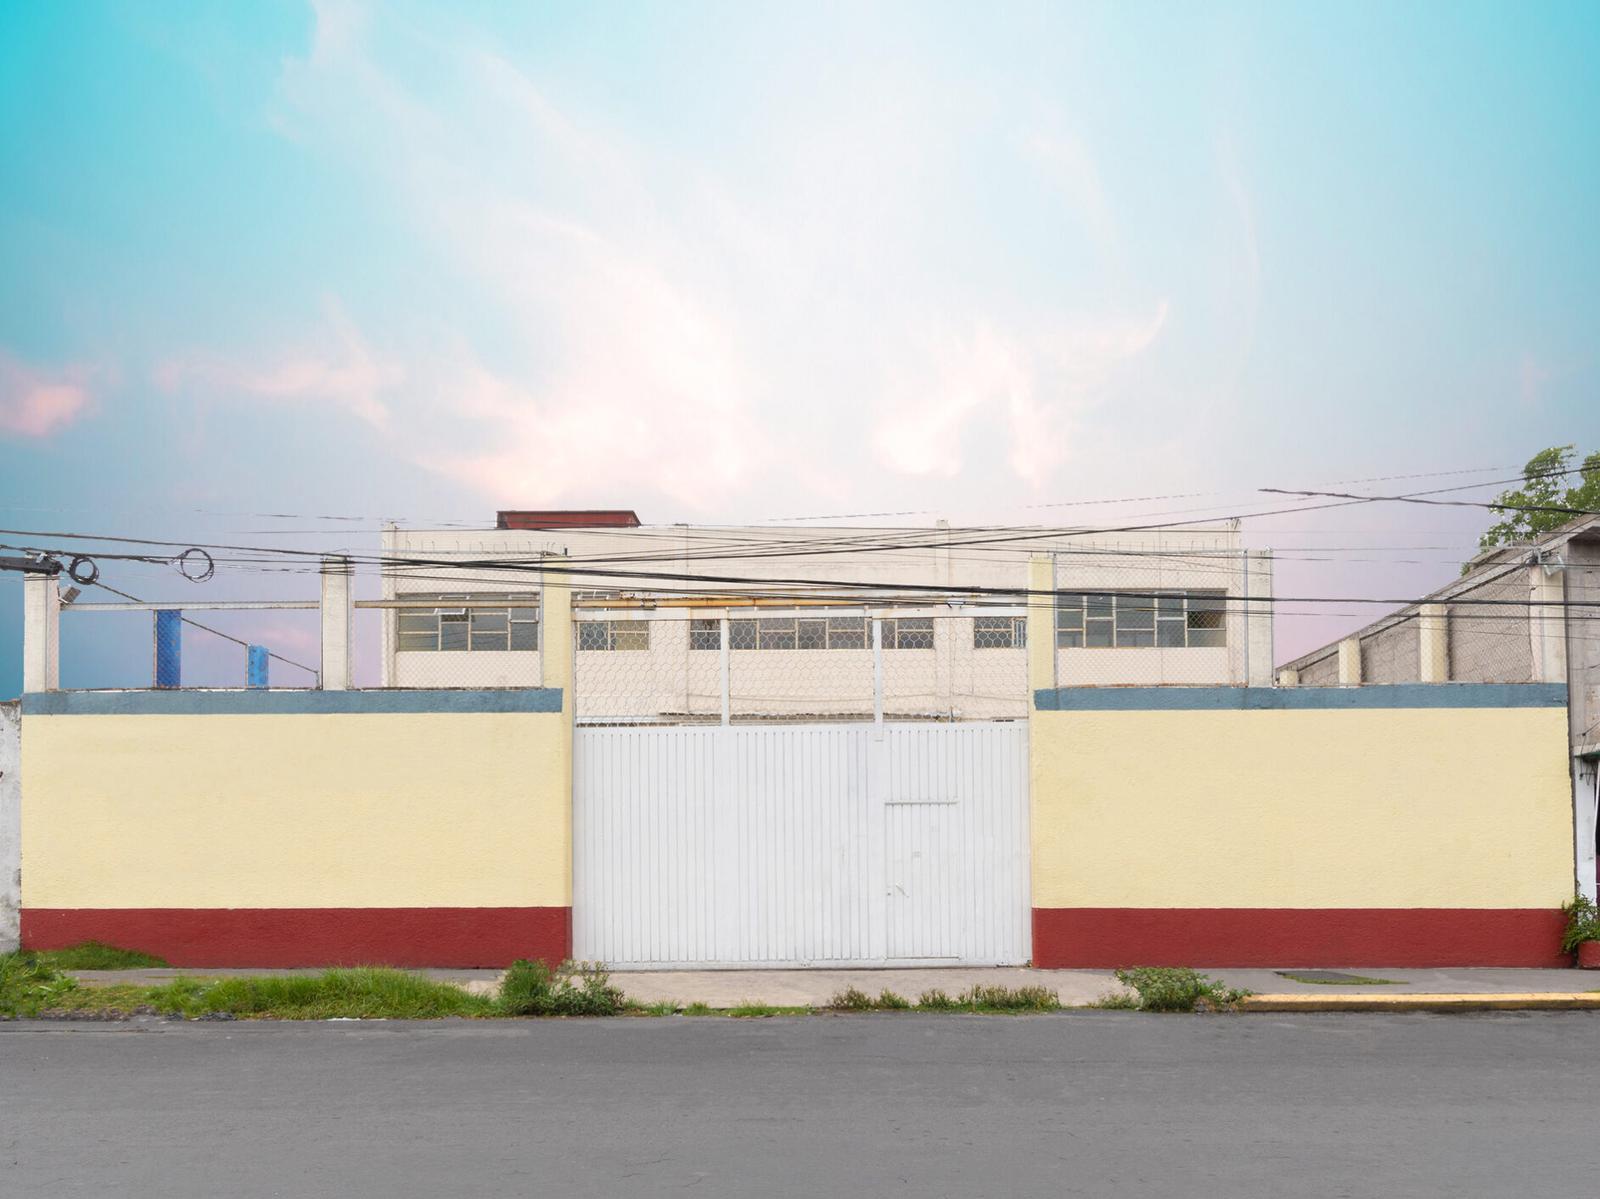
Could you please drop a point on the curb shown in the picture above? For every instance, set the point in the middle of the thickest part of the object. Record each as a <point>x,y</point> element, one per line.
<point>1506,1001</point>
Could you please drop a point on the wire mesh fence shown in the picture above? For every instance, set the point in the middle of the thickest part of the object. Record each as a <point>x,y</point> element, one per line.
<point>1178,619</point>
<point>128,645</point>
<point>821,664</point>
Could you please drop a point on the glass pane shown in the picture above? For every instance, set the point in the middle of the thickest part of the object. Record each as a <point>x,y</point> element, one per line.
<point>591,634</point>
<point>1205,619</point>
<point>741,634</point>
<point>847,632</point>
<point>705,634</point>
<point>1069,603</point>
<point>419,641</point>
<point>1169,605</point>
<point>1136,613</point>
<point>1099,607</point>
<point>1207,637</point>
<point>1097,633</point>
<point>1169,633</point>
<point>1069,639</point>
<point>777,633</point>
<point>1135,638</point>
<point>419,622</point>
<point>524,614</point>
<point>630,634</point>
<point>992,632</point>
<point>914,633</point>
<point>1069,618</point>
<point>812,634</point>
<point>490,640</point>
<point>1019,631</point>
<point>453,632</point>
<point>489,622</point>
<point>524,634</point>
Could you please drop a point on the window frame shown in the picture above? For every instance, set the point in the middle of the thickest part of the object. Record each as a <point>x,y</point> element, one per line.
<point>461,613</point>
<point>1155,620</point>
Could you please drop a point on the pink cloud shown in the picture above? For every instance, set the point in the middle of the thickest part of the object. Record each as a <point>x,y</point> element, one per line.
<point>36,402</point>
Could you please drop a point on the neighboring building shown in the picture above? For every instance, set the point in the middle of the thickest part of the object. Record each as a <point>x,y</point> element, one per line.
<point>1163,606</point>
<point>1525,613</point>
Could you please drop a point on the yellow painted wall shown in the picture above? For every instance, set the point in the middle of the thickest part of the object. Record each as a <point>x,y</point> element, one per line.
<point>1302,809</point>
<point>297,811</point>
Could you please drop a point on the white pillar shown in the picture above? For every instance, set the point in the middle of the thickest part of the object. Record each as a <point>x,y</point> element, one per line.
<point>1259,647</point>
<point>1350,662</point>
<point>336,624</point>
<point>41,632</point>
<point>1547,622</point>
<point>1433,644</point>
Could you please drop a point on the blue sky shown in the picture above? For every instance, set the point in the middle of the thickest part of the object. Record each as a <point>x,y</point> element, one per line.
<point>731,262</point>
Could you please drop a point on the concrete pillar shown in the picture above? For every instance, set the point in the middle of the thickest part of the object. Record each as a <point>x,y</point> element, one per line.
<point>41,633</point>
<point>555,634</point>
<point>336,624</point>
<point>1288,677</point>
<point>1041,624</point>
<point>1258,619</point>
<point>1350,662</point>
<point>1433,644</point>
<point>1547,622</point>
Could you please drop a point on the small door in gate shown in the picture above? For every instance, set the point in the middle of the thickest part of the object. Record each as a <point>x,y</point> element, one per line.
<point>925,880</point>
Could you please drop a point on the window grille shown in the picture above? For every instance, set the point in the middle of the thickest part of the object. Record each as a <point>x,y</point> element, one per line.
<point>782,632</point>
<point>908,632</point>
<point>613,634</point>
<point>999,632</point>
<point>453,627</point>
<point>1167,620</point>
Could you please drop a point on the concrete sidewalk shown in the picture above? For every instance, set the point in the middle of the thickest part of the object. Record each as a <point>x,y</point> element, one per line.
<point>1458,989</point>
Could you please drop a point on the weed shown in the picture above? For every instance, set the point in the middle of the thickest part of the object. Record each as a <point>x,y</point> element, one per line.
<point>936,1001</point>
<point>765,1009</point>
<point>1178,989</point>
<point>1119,1001</point>
<point>29,986</point>
<point>572,989</point>
<point>362,992</point>
<point>665,1008</point>
<point>888,1001</point>
<point>851,999</point>
<point>699,1009</point>
<point>1010,999</point>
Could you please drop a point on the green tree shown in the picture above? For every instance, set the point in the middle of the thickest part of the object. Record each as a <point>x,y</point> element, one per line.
<point>1547,497</point>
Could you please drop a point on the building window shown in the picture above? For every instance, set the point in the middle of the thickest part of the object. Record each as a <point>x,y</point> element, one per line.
<point>784,632</point>
<point>455,627</point>
<point>999,632</point>
<point>1166,620</point>
<point>614,634</point>
<point>908,632</point>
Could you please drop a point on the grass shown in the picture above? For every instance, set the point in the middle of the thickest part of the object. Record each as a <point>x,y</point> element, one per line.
<point>761,1010</point>
<point>1354,980</point>
<point>31,986</point>
<point>992,999</point>
<point>1176,989</point>
<point>97,955</point>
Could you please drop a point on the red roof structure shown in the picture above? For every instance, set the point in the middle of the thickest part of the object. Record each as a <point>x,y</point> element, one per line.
<point>568,518</point>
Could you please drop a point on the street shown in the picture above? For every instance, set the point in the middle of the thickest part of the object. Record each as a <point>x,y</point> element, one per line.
<point>1096,1103</point>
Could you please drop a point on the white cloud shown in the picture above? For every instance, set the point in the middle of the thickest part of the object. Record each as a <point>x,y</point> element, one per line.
<point>339,369</point>
<point>38,401</point>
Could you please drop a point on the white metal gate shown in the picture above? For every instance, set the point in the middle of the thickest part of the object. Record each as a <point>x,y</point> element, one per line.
<point>799,845</point>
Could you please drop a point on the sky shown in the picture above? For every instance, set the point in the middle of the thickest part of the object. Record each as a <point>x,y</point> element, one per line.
<point>736,262</point>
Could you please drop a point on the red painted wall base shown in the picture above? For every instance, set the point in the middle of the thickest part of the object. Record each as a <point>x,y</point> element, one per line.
<point>458,937</point>
<point>1112,937</point>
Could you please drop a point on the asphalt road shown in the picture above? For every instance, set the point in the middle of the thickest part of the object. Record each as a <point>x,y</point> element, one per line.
<point>1101,1104</point>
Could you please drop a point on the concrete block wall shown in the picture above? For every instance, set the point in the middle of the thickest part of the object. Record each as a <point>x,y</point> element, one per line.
<point>1301,826</point>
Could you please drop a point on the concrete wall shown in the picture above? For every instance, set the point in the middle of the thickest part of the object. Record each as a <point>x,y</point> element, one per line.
<point>1391,654</point>
<point>1343,826</point>
<point>10,822</point>
<point>283,828</point>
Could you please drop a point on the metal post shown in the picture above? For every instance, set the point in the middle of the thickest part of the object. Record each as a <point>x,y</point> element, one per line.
<point>169,648</point>
<point>726,651</point>
<point>877,670</point>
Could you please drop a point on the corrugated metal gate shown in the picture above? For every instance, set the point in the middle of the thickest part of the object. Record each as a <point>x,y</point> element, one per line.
<point>800,845</point>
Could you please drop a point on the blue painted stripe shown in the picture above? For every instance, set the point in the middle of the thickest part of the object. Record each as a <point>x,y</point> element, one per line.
<point>285,703</point>
<point>1245,699</point>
